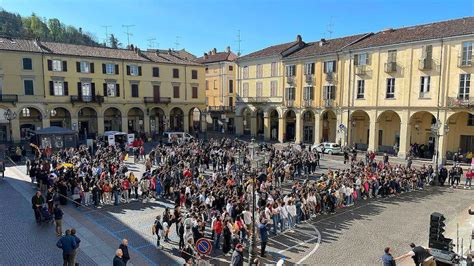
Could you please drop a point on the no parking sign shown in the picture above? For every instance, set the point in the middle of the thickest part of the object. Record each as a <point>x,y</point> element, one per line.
<point>203,246</point>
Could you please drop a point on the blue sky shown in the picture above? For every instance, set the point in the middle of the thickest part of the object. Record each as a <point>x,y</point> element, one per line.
<point>204,24</point>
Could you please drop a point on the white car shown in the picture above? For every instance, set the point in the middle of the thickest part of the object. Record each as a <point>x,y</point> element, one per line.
<point>327,147</point>
<point>170,137</point>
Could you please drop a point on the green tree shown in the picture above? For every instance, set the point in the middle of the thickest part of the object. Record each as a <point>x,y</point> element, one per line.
<point>114,42</point>
<point>56,30</point>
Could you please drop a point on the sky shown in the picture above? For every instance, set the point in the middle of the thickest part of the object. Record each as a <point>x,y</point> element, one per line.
<point>200,25</point>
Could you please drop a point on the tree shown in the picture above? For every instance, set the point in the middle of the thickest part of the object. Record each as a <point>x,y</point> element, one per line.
<point>114,42</point>
<point>56,29</point>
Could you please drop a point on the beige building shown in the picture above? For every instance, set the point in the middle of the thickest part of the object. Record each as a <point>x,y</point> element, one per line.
<point>96,89</point>
<point>384,91</point>
<point>220,89</point>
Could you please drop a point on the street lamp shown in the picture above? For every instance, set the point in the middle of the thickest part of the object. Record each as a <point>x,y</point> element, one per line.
<point>253,252</point>
<point>435,130</point>
<point>10,115</point>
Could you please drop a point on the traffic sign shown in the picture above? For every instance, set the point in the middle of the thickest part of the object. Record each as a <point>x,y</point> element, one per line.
<point>203,246</point>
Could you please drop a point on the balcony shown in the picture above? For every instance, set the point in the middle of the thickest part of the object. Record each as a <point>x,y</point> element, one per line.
<point>464,62</point>
<point>87,99</point>
<point>8,98</point>
<point>221,109</point>
<point>290,80</point>
<point>308,103</point>
<point>361,70</point>
<point>309,78</point>
<point>425,64</point>
<point>390,67</point>
<point>330,76</point>
<point>328,103</point>
<point>462,101</point>
<point>157,100</point>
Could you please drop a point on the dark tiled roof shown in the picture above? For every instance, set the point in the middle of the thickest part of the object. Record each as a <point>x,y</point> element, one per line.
<point>329,46</point>
<point>18,45</point>
<point>443,29</point>
<point>269,51</point>
<point>167,58</point>
<point>217,57</point>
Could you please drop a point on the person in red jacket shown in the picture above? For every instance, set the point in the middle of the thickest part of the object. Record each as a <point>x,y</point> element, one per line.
<point>469,176</point>
<point>218,227</point>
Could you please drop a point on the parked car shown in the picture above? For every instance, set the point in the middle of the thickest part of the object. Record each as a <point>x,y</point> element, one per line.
<point>327,147</point>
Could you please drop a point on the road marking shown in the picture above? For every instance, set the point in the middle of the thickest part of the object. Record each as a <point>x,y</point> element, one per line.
<point>315,247</point>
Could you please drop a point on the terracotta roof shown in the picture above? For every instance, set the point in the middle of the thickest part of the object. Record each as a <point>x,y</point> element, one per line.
<point>217,57</point>
<point>18,45</point>
<point>327,47</point>
<point>167,58</point>
<point>443,29</point>
<point>269,51</point>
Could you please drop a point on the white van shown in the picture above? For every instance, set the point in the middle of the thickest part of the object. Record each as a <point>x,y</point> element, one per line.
<point>327,147</point>
<point>170,137</point>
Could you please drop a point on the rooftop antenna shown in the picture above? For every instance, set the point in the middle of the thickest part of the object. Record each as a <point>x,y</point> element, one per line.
<point>151,42</point>
<point>106,33</point>
<point>239,40</point>
<point>176,43</point>
<point>128,32</point>
<point>329,28</point>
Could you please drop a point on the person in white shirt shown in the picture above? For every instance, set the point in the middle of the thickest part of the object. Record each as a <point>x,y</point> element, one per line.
<point>291,214</point>
<point>284,216</point>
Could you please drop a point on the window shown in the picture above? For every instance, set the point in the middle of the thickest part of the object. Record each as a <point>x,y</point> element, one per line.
<point>57,65</point>
<point>231,86</point>
<point>259,89</point>
<point>25,112</point>
<point>85,67</point>
<point>308,93</point>
<point>133,70</point>
<point>464,86</point>
<point>175,91</point>
<point>259,71</point>
<point>86,89</point>
<point>290,94</point>
<point>194,92</point>
<point>27,64</point>
<point>231,68</point>
<point>156,72</point>
<point>309,69</point>
<point>360,89</point>
<point>194,74</point>
<point>245,72</point>
<point>329,92</point>
<point>392,56</point>
<point>470,120</point>
<point>175,73</point>
<point>111,90</point>
<point>245,90</point>
<point>361,59</point>
<point>291,71</point>
<point>274,69</point>
<point>330,66</point>
<point>215,84</point>
<point>274,88</point>
<point>135,90</point>
<point>28,84</point>
<point>390,94</point>
<point>110,68</point>
<point>466,59</point>
<point>58,87</point>
<point>424,86</point>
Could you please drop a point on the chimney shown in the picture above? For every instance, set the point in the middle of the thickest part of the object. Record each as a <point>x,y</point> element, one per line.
<point>228,49</point>
<point>298,38</point>
<point>157,52</point>
<point>322,42</point>
<point>169,51</point>
<point>132,47</point>
<point>214,51</point>
<point>206,56</point>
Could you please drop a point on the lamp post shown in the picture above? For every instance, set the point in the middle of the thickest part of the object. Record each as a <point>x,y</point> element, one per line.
<point>253,252</point>
<point>435,130</point>
<point>10,115</point>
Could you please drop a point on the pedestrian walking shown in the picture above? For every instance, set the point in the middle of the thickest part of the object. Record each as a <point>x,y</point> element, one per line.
<point>78,241</point>
<point>237,257</point>
<point>67,243</point>
<point>118,261</point>
<point>124,247</point>
<point>37,202</point>
<point>387,258</point>
<point>157,228</point>
<point>262,228</point>
<point>58,218</point>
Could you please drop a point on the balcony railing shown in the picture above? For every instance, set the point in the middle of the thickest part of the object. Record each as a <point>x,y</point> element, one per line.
<point>157,99</point>
<point>462,101</point>
<point>290,80</point>
<point>330,76</point>
<point>225,109</point>
<point>361,70</point>
<point>290,103</point>
<point>328,103</point>
<point>260,99</point>
<point>309,78</point>
<point>464,62</point>
<point>425,64</point>
<point>308,103</point>
<point>390,67</point>
<point>8,98</point>
<point>87,99</point>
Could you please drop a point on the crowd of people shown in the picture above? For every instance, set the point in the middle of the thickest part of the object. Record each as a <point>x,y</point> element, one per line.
<point>212,184</point>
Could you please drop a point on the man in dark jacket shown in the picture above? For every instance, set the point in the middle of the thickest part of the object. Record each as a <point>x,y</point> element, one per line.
<point>78,241</point>
<point>237,256</point>
<point>262,228</point>
<point>58,217</point>
<point>67,243</point>
<point>118,261</point>
<point>124,248</point>
<point>36,202</point>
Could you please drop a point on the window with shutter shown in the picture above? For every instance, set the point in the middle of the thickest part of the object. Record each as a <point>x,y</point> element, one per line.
<point>92,67</point>
<point>466,53</point>
<point>139,70</point>
<point>27,64</point>
<point>117,90</point>
<point>104,69</point>
<point>135,90</point>
<point>194,74</point>
<point>156,72</point>
<point>175,73</point>
<point>58,88</point>
<point>56,65</point>
<point>28,84</point>
<point>66,88</point>
<point>175,91</point>
<point>195,92</point>
<point>50,65</point>
<point>116,69</point>
<point>273,88</point>
<point>231,86</point>
<point>64,66</point>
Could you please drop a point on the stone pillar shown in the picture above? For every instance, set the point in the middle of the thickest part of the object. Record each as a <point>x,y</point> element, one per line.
<point>317,128</point>
<point>405,133</point>
<point>45,122</point>
<point>125,124</point>
<point>75,123</point>
<point>299,128</point>
<point>239,125</point>
<point>253,125</point>
<point>186,123</point>
<point>373,135</point>
<point>15,130</point>
<point>203,123</point>
<point>441,146</point>
<point>146,123</point>
<point>281,129</point>
<point>100,125</point>
<point>266,126</point>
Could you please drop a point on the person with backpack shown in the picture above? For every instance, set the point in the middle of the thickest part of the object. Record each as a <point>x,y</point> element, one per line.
<point>157,229</point>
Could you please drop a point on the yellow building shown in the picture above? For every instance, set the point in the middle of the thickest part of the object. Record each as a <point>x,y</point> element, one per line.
<point>96,89</point>
<point>387,91</point>
<point>220,89</point>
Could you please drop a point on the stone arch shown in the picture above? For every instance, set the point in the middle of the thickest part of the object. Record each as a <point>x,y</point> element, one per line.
<point>388,135</point>
<point>194,117</point>
<point>112,119</point>
<point>308,121</point>
<point>290,125</point>
<point>274,117</point>
<point>422,139</point>
<point>30,118</point>
<point>359,129</point>
<point>157,120</point>
<point>460,134</point>
<point>135,120</point>
<point>328,126</point>
<point>177,119</point>
<point>60,117</point>
<point>87,122</point>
